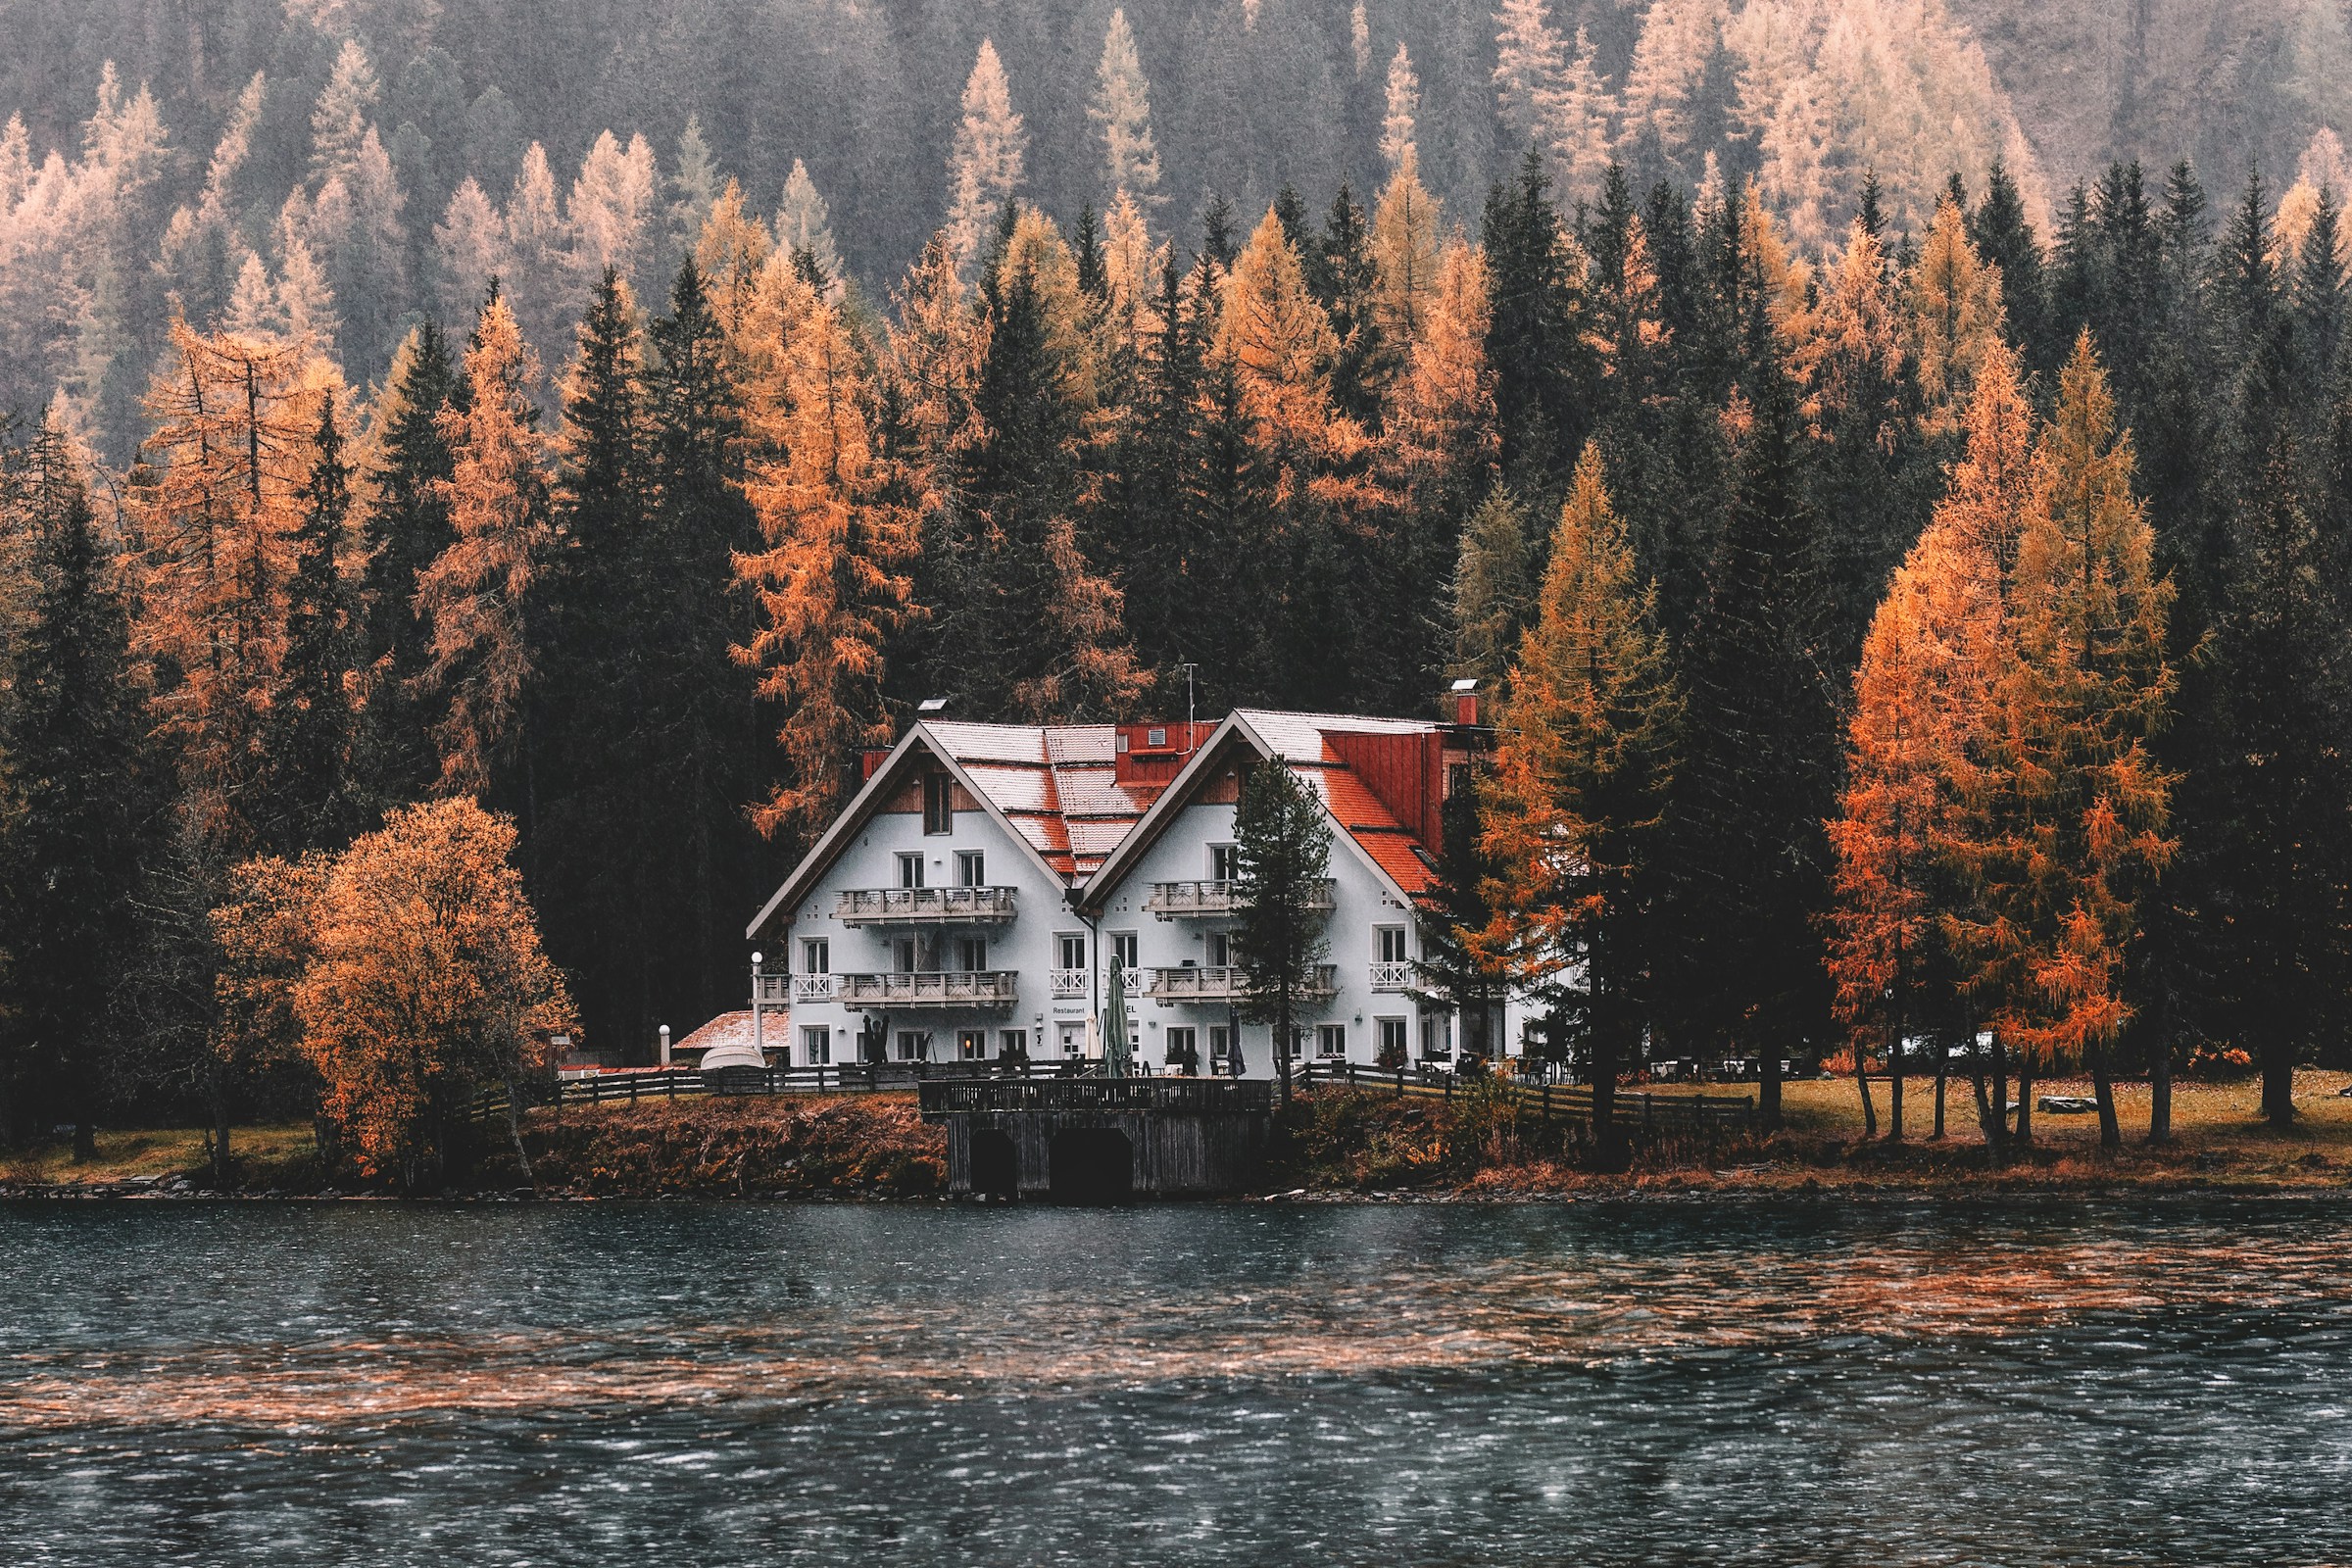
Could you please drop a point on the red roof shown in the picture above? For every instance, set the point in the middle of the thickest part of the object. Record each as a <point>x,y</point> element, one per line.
<point>1306,742</point>
<point>1057,784</point>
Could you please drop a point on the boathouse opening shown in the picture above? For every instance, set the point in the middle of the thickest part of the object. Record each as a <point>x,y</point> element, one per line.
<point>1091,1165</point>
<point>996,1164</point>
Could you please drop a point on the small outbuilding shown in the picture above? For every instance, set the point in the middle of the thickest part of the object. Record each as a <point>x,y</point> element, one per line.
<point>1101,1139</point>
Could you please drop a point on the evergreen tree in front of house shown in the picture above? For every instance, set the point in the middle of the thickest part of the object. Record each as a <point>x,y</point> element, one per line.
<point>73,812</point>
<point>1282,853</point>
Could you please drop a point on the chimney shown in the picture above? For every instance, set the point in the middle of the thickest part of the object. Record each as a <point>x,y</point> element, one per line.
<point>1464,696</point>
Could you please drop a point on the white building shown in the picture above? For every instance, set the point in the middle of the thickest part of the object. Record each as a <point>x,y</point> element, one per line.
<point>969,901</point>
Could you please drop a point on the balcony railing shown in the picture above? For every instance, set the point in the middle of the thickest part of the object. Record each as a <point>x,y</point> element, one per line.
<point>813,988</point>
<point>1396,976</point>
<point>922,905</point>
<point>952,988</point>
<point>1225,983</point>
<point>1172,901</point>
<point>772,988</point>
<point>1066,982</point>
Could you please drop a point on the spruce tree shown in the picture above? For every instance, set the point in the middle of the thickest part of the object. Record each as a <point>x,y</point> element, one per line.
<point>1762,766</point>
<point>403,528</point>
<point>73,812</point>
<point>1534,339</point>
<point>309,744</point>
<point>1282,850</point>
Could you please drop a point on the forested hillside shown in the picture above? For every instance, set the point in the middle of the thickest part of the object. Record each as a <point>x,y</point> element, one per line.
<point>209,142</point>
<point>1909,606</point>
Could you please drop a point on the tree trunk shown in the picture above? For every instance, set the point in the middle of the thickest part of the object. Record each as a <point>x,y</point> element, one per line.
<point>1942,1074</point>
<point>218,1094</point>
<point>1870,1111</point>
<point>2160,1093</point>
<point>2025,1107</point>
<point>2278,1086</point>
<point>2103,1084</point>
<point>1894,1086</point>
<point>515,1130</point>
<point>1987,1122</point>
<point>1607,1143</point>
<point>1768,1086</point>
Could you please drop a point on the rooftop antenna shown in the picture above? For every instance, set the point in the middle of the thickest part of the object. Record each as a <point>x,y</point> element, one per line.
<point>1187,667</point>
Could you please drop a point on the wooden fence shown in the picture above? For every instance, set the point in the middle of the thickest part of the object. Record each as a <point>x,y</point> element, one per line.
<point>1643,1115</point>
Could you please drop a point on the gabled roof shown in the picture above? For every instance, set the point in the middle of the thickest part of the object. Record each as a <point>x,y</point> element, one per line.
<point>1310,745</point>
<point>1052,788</point>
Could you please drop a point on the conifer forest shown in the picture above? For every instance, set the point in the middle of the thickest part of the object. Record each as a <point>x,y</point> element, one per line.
<point>1898,505</point>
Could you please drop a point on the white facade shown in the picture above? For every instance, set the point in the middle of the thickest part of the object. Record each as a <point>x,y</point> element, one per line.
<point>970,903</point>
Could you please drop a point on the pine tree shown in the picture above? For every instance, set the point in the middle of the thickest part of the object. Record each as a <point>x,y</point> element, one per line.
<point>612,214</point>
<point>1397,135</point>
<point>803,226</point>
<point>1751,857</point>
<point>831,580</point>
<point>214,512</point>
<point>481,594</point>
<point>309,744</point>
<point>1440,443</point>
<point>984,168</point>
<point>1574,806</point>
<point>2066,811</point>
<point>2003,238</point>
<point>1955,311</point>
<point>1534,339</point>
<point>1495,585</point>
<point>73,812</point>
<point>469,249</point>
<point>1122,107</point>
<point>1282,852</point>
<point>405,526</point>
<point>1405,254</point>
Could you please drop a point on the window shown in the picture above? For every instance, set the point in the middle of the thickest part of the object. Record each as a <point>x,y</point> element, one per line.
<point>914,1044</point>
<point>1433,1036</point>
<point>971,1043</point>
<point>1221,1042</point>
<point>1012,1044</point>
<point>1331,1040</point>
<point>910,870</point>
<point>816,1045</point>
<point>901,955</point>
<point>1073,1038</point>
<point>1393,1041</point>
<point>971,868</point>
<point>1184,1048</point>
<point>971,953</point>
<point>939,804</point>
<point>1122,949</point>
<point>1220,950</point>
<point>1387,941</point>
<point>1224,862</point>
<point>1457,779</point>
<point>1073,950</point>
<point>1157,737</point>
<point>817,956</point>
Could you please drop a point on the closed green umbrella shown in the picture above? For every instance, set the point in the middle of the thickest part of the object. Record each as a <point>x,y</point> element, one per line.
<point>1115,1061</point>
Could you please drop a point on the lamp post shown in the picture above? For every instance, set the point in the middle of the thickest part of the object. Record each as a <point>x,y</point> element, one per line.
<point>759,1013</point>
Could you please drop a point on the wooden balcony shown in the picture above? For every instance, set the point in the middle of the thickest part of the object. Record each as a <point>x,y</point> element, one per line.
<point>857,906</point>
<point>952,988</point>
<point>1226,983</point>
<point>1177,901</point>
<point>1392,976</point>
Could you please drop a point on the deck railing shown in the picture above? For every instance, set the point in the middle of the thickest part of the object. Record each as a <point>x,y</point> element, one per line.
<point>1172,901</point>
<point>1226,983</point>
<point>922,905</point>
<point>949,987</point>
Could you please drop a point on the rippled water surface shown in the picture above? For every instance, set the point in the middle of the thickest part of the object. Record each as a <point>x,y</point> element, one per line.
<point>1770,1383</point>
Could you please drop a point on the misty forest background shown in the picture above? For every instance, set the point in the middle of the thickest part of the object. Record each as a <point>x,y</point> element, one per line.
<point>621,414</point>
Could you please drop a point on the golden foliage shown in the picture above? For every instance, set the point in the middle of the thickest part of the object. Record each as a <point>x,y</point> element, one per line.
<point>476,594</point>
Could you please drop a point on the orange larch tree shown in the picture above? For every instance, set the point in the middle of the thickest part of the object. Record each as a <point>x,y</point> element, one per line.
<point>480,594</point>
<point>831,583</point>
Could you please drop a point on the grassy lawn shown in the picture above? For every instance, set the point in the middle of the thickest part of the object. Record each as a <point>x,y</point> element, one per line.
<point>2220,1119</point>
<point>129,1154</point>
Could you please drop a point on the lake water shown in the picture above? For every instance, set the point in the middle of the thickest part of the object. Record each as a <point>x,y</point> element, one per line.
<point>1776,1383</point>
